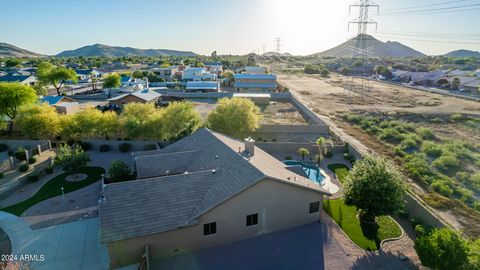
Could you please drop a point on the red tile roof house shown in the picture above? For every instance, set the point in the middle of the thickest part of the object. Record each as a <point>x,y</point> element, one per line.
<point>204,190</point>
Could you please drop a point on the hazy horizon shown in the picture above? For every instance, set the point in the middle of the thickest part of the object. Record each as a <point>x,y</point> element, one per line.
<point>237,27</point>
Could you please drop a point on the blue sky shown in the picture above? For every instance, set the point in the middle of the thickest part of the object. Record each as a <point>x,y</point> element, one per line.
<point>230,27</point>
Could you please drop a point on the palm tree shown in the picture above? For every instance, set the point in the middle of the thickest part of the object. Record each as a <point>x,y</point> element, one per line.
<point>302,151</point>
<point>321,143</point>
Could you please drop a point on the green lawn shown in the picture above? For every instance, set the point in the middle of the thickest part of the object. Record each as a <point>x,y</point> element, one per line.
<point>53,188</point>
<point>366,236</point>
<point>341,170</point>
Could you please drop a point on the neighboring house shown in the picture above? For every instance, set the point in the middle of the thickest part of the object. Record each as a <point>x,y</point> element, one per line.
<point>197,74</point>
<point>214,67</point>
<point>114,66</point>
<point>167,73</point>
<point>255,82</point>
<point>463,80</point>
<point>255,70</point>
<point>459,73</point>
<point>132,84</point>
<point>472,86</point>
<point>62,104</point>
<point>23,79</point>
<point>85,75</point>
<point>140,96</point>
<point>204,190</point>
<point>203,86</point>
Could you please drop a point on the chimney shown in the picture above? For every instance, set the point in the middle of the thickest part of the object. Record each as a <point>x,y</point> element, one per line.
<point>250,146</point>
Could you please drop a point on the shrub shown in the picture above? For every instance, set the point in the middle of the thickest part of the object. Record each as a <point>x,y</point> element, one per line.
<point>49,170</point>
<point>442,187</point>
<point>119,171</point>
<point>150,147</point>
<point>391,135</point>
<point>403,214</point>
<point>104,148</point>
<point>32,160</point>
<point>1,175</point>
<point>420,230</point>
<point>446,162</point>
<point>288,158</point>
<point>408,143</point>
<point>124,147</point>
<point>23,167</point>
<point>414,222</point>
<point>53,144</point>
<point>431,148</point>
<point>33,177</point>
<point>20,153</point>
<point>425,133</point>
<point>3,147</point>
<point>85,146</point>
<point>456,117</point>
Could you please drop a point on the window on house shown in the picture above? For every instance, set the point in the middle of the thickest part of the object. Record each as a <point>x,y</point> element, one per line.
<point>314,207</point>
<point>209,228</point>
<point>252,220</point>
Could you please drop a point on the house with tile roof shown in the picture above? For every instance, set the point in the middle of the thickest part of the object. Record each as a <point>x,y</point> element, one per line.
<point>204,190</point>
<point>246,82</point>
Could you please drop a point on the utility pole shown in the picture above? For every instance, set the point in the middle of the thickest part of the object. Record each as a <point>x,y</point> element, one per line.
<point>360,50</point>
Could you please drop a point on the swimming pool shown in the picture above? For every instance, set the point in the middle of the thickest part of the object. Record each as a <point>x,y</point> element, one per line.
<point>312,172</point>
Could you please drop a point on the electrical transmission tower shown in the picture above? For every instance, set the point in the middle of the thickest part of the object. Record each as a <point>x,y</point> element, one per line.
<point>278,48</point>
<point>361,50</point>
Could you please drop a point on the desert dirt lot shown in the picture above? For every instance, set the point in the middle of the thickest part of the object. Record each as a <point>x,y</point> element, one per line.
<point>275,113</point>
<point>328,96</point>
<point>331,98</point>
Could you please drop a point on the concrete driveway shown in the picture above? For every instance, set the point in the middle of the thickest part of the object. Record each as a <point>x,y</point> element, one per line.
<point>70,246</point>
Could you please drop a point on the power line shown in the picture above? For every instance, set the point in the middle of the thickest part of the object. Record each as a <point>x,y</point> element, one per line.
<point>428,5</point>
<point>433,10</point>
<point>434,41</point>
<point>433,35</point>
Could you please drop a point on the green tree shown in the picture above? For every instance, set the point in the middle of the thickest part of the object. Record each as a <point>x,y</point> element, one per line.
<point>138,74</point>
<point>321,144</point>
<point>442,249</point>
<point>13,62</point>
<point>119,171</point>
<point>134,118</point>
<point>455,83</point>
<point>302,151</point>
<point>12,97</point>
<point>112,81</point>
<point>324,73</point>
<point>177,117</point>
<point>375,186</point>
<point>70,128</point>
<point>39,121</point>
<point>56,76</point>
<point>71,158</point>
<point>234,117</point>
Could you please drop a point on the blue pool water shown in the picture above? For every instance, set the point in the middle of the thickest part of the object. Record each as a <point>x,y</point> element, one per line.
<point>313,172</point>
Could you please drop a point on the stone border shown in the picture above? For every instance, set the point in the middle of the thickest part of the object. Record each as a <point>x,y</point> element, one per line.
<point>394,238</point>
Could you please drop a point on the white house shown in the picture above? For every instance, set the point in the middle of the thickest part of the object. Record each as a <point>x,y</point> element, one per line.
<point>214,67</point>
<point>198,74</point>
<point>167,73</point>
<point>255,82</point>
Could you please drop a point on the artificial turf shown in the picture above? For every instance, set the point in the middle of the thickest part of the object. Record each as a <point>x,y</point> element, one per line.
<point>53,187</point>
<point>341,170</point>
<point>366,236</point>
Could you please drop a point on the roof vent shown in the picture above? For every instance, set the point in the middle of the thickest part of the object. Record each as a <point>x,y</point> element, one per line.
<point>217,157</point>
<point>185,173</point>
<point>250,146</point>
<point>214,171</point>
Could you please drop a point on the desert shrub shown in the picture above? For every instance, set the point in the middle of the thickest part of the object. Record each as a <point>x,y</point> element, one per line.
<point>465,195</point>
<point>391,134</point>
<point>431,148</point>
<point>85,146</point>
<point>418,167</point>
<point>49,170</point>
<point>150,147</point>
<point>124,147</point>
<point>425,133</point>
<point>436,120</point>
<point>399,151</point>
<point>442,187</point>
<point>456,117</point>
<point>3,147</point>
<point>33,177</point>
<point>23,167</point>
<point>446,162</point>
<point>408,143</point>
<point>32,160</point>
<point>20,153</point>
<point>353,118</point>
<point>104,148</point>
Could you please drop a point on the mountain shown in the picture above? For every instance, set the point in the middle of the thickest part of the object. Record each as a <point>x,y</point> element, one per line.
<point>463,53</point>
<point>269,54</point>
<point>115,51</point>
<point>375,47</point>
<point>8,50</point>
